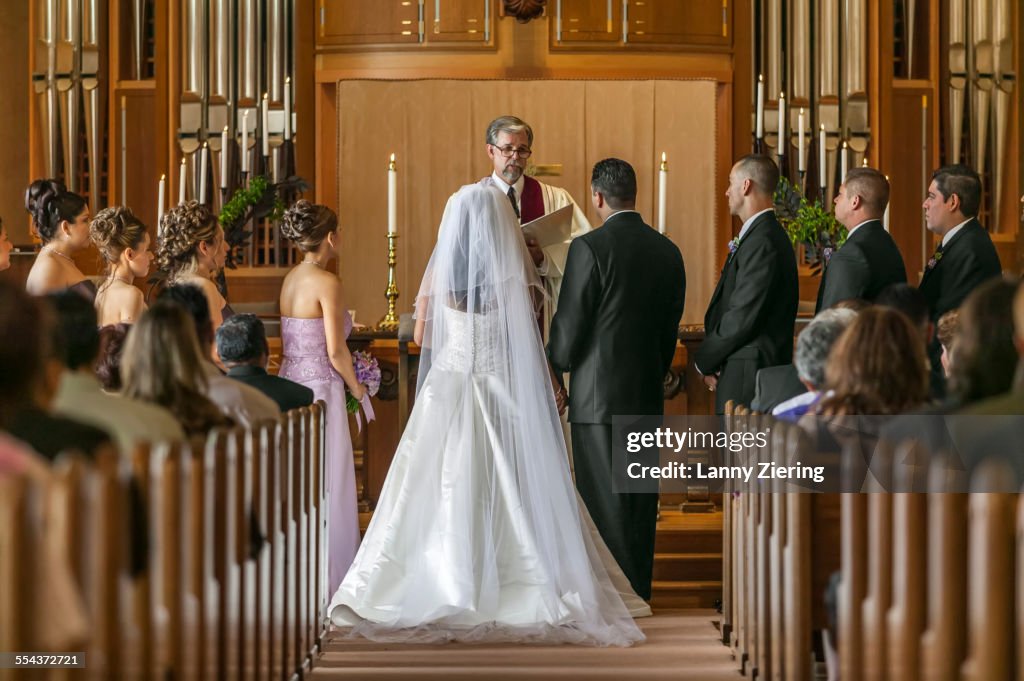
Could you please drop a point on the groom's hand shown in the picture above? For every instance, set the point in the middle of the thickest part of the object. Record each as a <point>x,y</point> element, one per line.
<point>561,400</point>
<point>536,252</point>
<point>711,382</point>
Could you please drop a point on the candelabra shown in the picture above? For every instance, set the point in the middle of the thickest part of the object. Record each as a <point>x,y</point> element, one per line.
<point>390,320</point>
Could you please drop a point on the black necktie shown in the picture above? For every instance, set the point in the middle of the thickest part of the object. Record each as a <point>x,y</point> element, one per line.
<point>512,198</point>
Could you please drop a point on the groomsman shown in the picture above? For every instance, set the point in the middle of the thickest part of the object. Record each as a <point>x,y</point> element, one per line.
<point>615,333</point>
<point>965,257</point>
<point>869,260</point>
<point>749,322</point>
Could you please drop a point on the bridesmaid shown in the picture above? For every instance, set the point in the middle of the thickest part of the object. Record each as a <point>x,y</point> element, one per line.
<point>5,248</point>
<point>61,220</point>
<point>314,326</point>
<point>123,241</point>
<point>192,250</point>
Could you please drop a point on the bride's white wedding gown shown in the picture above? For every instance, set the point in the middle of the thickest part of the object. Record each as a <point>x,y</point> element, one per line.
<point>479,533</point>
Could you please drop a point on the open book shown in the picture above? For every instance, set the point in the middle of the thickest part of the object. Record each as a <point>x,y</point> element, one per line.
<point>553,228</point>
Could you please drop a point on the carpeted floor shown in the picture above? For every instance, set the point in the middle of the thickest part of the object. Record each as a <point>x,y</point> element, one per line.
<point>680,644</point>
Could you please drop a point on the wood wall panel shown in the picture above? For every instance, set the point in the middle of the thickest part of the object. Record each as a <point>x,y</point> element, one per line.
<point>14,133</point>
<point>909,159</point>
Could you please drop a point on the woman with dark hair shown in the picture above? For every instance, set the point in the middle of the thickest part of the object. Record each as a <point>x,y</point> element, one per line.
<point>108,365</point>
<point>61,221</point>
<point>984,355</point>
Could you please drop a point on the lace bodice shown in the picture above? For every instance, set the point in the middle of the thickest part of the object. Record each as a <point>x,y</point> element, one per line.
<point>304,349</point>
<point>470,345</point>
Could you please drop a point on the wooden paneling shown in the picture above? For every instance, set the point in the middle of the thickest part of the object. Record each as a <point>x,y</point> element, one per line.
<point>134,157</point>
<point>460,21</point>
<point>361,22</point>
<point>909,158</point>
<point>695,22</point>
<point>587,21</point>
<point>14,133</point>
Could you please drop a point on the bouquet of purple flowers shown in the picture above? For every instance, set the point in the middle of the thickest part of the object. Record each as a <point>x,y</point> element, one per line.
<point>367,373</point>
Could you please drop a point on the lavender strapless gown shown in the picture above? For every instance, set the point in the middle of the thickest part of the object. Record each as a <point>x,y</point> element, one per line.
<point>305,361</point>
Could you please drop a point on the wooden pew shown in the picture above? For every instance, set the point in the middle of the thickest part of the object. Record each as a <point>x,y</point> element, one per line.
<point>781,433</point>
<point>727,549</point>
<point>853,588</point>
<point>796,559</point>
<point>878,589</point>
<point>18,546</point>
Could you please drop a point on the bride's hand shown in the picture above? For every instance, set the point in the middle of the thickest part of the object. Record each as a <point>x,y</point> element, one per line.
<point>561,399</point>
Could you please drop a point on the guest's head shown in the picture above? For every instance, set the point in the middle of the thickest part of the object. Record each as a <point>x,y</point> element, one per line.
<point>854,304</point>
<point>122,240</point>
<point>815,342</point>
<point>985,357</point>
<point>954,195</point>
<point>193,301</point>
<point>509,145</point>
<point>863,195</point>
<point>113,338</point>
<point>5,248</point>
<point>191,241</point>
<point>312,227</point>
<point>946,331</point>
<point>612,186</point>
<point>752,183</point>
<point>76,338</point>
<point>24,349</point>
<point>242,340</point>
<point>58,216</point>
<point>877,367</point>
<point>911,303</point>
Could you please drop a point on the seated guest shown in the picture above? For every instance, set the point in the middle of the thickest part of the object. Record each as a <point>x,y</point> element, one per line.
<point>985,354</point>
<point>108,364</point>
<point>244,404</point>
<point>774,385</point>
<point>946,330</point>
<point>80,395</point>
<point>242,346</point>
<point>163,365</point>
<point>912,303</point>
<point>813,346</point>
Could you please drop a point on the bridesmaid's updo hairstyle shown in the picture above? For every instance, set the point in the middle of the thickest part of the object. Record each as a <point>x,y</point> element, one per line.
<point>308,224</point>
<point>50,203</point>
<point>115,229</point>
<point>182,229</point>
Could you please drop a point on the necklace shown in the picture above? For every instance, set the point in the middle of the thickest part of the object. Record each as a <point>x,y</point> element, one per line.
<point>63,255</point>
<point>123,280</point>
<point>312,262</point>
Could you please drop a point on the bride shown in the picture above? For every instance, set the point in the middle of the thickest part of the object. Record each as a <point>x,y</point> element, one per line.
<point>479,534</point>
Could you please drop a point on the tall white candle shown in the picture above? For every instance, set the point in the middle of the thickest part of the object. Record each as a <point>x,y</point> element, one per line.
<point>288,108</point>
<point>885,215</point>
<point>203,160</point>
<point>801,162</point>
<point>392,196</point>
<point>182,180</point>
<point>783,138</point>
<point>245,141</point>
<point>760,107</point>
<point>224,158</point>
<point>822,169</point>
<point>266,125</point>
<point>662,188</point>
<point>160,197</point>
<point>844,159</point>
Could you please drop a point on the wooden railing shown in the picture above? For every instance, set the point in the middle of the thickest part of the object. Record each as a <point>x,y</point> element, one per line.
<point>233,583</point>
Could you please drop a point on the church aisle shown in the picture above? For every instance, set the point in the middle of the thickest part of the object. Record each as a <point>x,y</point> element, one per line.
<point>681,644</point>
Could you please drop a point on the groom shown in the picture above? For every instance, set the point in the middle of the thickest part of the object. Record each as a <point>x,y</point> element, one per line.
<point>615,332</point>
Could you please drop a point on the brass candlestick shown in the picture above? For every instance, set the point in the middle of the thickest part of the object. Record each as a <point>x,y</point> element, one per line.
<point>390,320</point>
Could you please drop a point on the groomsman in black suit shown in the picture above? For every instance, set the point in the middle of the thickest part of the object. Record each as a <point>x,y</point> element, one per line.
<point>869,260</point>
<point>749,322</point>
<point>964,258</point>
<point>615,333</point>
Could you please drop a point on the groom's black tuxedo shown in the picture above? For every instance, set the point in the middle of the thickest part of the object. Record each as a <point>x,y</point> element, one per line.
<point>864,265</point>
<point>615,333</point>
<point>749,322</point>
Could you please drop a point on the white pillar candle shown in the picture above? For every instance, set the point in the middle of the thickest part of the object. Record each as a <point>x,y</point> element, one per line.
<point>760,107</point>
<point>844,158</point>
<point>288,108</point>
<point>885,216</point>
<point>203,159</point>
<point>224,158</point>
<point>266,125</point>
<point>160,197</point>
<point>801,162</point>
<point>182,180</point>
<point>822,169</point>
<point>392,196</point>
<point>783,139</point>
<point>245,141</point>
<point>662,189</point>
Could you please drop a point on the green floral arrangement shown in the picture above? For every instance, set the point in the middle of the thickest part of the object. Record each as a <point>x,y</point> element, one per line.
<point>809,224</point>
<point>261,200</point>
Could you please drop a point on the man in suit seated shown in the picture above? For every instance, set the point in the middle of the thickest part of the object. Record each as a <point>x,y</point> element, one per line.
<point>774,385</point>
<point>869,260</point>
<point>242,346</point>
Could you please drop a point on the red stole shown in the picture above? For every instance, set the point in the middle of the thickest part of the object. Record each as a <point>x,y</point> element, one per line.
<point>531,205</point>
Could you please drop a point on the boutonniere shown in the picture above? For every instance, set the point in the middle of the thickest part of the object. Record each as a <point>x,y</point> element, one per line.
<point>934,260</point>
<point>733,245</point>
<point>826,253</point>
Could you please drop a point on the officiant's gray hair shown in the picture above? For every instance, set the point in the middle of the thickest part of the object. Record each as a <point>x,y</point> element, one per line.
<point>815,342</point>
<point>509,124</point>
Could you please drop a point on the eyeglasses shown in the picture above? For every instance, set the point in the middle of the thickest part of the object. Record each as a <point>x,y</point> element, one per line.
<point>507,152</point>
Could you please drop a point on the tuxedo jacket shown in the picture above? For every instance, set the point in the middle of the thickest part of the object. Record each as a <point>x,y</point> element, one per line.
<point>749,322</point>
<point>967,260</point>
<point>775,385</point>
<point>288,394</point>
<point>864,265</point>
<point>617,321</point>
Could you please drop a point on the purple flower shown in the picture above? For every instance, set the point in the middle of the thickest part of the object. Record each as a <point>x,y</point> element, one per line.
<point>934,260</point>
<point>826,253</point>
<point>734,244</point>
<point>368,373</point>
